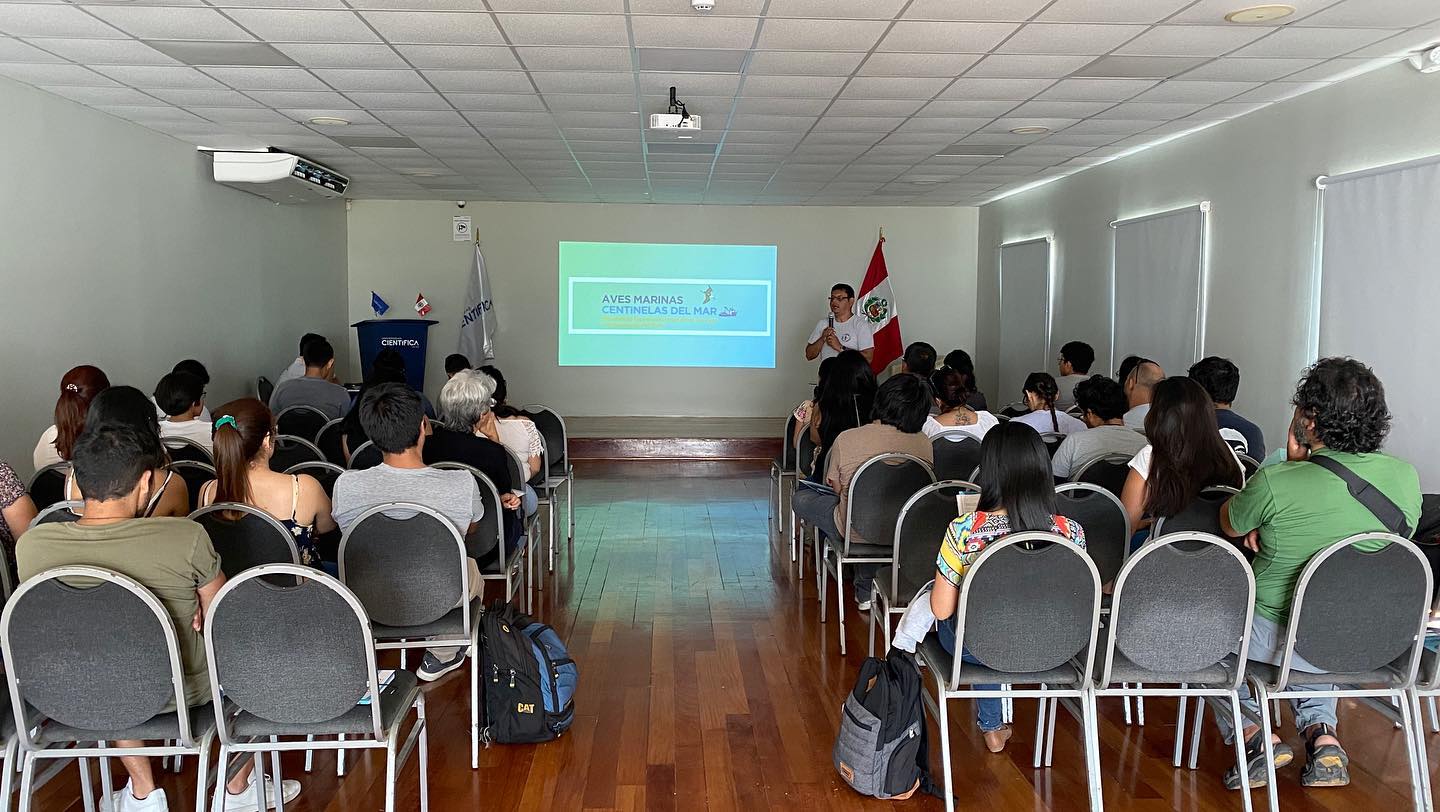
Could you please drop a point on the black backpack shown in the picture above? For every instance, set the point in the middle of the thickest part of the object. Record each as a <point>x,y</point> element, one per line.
<point>527,678</point>
<point>882,749</point>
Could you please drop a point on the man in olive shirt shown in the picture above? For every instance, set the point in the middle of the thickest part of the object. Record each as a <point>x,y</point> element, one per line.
<point>173,558</point>
<point>1291,511</point>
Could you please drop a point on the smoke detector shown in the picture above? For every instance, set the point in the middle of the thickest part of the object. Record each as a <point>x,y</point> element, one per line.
<point>702,5</point>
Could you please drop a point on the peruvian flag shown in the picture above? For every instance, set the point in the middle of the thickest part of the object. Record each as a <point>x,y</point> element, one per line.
<point>422,306</point>
<point>877,305</point>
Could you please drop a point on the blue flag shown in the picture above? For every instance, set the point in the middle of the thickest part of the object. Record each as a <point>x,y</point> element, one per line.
<point>377,304</point>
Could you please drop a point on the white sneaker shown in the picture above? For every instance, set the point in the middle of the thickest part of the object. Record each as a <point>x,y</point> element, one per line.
<point>122,801</point>
<point>864,606</point>
<point>245,801</point>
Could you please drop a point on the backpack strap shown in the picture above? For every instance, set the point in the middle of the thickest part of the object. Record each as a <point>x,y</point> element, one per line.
<point>1389,514</point>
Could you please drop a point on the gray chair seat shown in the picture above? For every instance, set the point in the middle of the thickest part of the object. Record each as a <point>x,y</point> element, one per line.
<point>941,662</point>
<point>1267,673</point>
<point>160,726</point>
<point>1125,670</point>
<point>395,701</point>
<point>451,624</point>
<point>1429,661</point>
<point>882,551</point>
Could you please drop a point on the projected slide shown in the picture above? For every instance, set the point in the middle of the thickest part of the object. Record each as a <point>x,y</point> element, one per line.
<point>638,304</point>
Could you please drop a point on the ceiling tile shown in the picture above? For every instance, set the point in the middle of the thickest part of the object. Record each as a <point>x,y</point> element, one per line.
<point>877,87</point>
<point>606,6</point>
<point>906,64</point>
<point>820,35</point>
<point>966,109</point>
<point>229,115</point>
<point>380,81</point>
<point>1010,10</point>
<point>580,118</point>
<point>342,56</point>
<point>763,122</point>
<point>584,82</point>
<point>1402,44</point>
<point>826,9</point>
<point>1192,40</point>
<point>1278,91</point>
<point>1320,43</point>
<point>693,32</point>
<point>222,54</point>
<point>1334,70</point>
<point>94,52</point>
<point>794,86</point>
<point>689,84</point>
<point>773,106</point>
<point>1139,67</point>
<point>1026,66</point>
<point>1152,111</point>
<point>1188,91</point>
<point>193,98</point>
<point>266,78</point>
<point>1096,89</point>
<point>1060,109</point>
<point>459,57</point>
<point>691,60</point>
<point>297,25</point>
<point>945,37</point>
<point>1068,39</point>
<point>564,29</point>
<point>405,101</point>
<point>995,89</point>
<point>807,63</point>
<point>1111,11</point>
<point>1376,13</point>
<point>1235,69</point>
<point>51,73</point>
<point>1214,11</point>
<point>156,76</point>
<point>147,22</point>
<point>434,27</point>
<point>13,50</point>
<point>51,20</point>
<point>875,107</point>
<point>101,95</point>
<point>581,59</point>
<point>301,98</point>
<point>882,124</point>
<point>506,102</point>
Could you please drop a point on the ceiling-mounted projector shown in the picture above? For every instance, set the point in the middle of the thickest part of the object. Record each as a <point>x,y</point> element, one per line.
<point>1427,61</point>
<point>676,119</point>
<point>278,176</point>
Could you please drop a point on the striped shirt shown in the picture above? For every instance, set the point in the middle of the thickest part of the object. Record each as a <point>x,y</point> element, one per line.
<point>967,536</point>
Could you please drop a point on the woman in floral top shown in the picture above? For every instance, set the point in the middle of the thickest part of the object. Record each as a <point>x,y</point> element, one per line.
<point>1017,495</point>
<point>16,511</point>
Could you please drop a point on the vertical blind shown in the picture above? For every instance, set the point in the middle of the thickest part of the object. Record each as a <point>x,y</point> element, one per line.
<point>1024,316</point>
<point>1379,286</point>
<point>1159,288</point>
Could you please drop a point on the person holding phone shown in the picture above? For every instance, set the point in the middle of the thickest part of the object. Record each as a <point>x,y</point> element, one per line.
<point>841,329</point>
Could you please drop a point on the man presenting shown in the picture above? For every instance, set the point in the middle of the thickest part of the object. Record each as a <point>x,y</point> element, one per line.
<point>841,330</point>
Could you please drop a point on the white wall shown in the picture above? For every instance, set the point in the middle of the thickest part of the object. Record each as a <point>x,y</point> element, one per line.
<point>116,249</point>
<point>399,248</point>
<point>1259,172</point>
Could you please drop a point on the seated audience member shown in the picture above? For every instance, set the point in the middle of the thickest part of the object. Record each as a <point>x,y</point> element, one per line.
<point>455,362</point>
<point>919,359</point>
<point>1184,455</point>
<point>901,406</point>
<point>1102,404</point>
<point>1139,390</point>
<point>77,389</point>
<point>129,407</point>
<point>1127,366</point>
<point>115,466</point>
<point>470,436</point>
<point>951,395</point>
<point>806,410</point>
<point>517,433</point>
<point>297,367</point>
<point>1040,393</point>
<point>1076,358</point>
<point>16,511</point>
<point>181,396</point>
<point>846,402</point>
<point>314,388</point>
<point>394,419</point>
<point>352,434</point>
<point>1017,495</point>
<point>197,369</point>
<point>842,330</point>
<point>959,360</point>
<point>1221,378</point>
<point>1289,512</point>
<point>244,442</point>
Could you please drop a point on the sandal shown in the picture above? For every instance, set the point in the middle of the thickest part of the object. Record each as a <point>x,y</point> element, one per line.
<point>1326,765</point>
<point>1255,761</point>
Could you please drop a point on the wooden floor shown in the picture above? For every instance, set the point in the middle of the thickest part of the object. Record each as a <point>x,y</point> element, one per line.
<point>706,681</point>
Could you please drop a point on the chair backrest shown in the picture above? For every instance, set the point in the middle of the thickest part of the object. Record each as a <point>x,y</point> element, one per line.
<point>67,648</point>
<point>405,571</point>
<point>919,528</point>
<point>490,530</point>
<point>516,466</point>
<point>1109,472</point>
<point>787,445</point>
<point>291,451</point>
<point>301,421</point>
<point>1249,463</point>
<point>1235,440</point>
<point>1200,516</point>
<point>48,485</point>
<point>245,536</point>
<point>1182,604</point>
<point>552,428</point>
<point>1356,611</point>
<point>328,440</point>
<point>1106,524</point>
<point>64,511</point>
<point>366,456</point>
<point>1030,602</point>
<point>805,456</point>
<point>1052,441</point>
<point>880,487</point>
<point>956,454</point>
<point>264,655</point>
<point>195,474</point>
<point>264,388</point>
<point>324,472</point>
<point>184,449</point>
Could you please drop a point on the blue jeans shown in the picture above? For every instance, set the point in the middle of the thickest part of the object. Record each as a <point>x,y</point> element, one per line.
<point>988,715</point>
<point>529,502</point>
<point>1267,640</point>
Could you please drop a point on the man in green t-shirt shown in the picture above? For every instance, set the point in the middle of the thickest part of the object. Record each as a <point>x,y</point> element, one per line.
<point>1289,512</point>
<point>173,558</point>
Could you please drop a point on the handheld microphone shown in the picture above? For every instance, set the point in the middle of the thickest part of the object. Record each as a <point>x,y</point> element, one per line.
<point>832,321</point>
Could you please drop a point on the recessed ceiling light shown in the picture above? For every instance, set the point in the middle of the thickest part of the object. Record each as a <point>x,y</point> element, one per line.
<point>684,137</point>
<point>1032,130</point>
<point>330,121</point>
<point>1260,14</point>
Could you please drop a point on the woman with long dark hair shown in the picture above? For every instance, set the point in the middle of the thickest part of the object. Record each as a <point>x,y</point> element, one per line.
<point>1017,494</point>
<point>806,410</point>
<point>1185,456</point>
<point>517,433</point>
<point>846,402</point>
<point>952,396</point>
<point>961,362</point>
<point>244,438</point>
<point>1041,392</point>
<point>77,389</point>
<point>128,406</point>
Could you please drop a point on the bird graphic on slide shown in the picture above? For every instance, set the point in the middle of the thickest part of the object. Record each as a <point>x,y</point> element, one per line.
<point>709,294</point>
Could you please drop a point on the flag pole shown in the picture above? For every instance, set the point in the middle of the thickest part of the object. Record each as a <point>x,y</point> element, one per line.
<point>882,233</point>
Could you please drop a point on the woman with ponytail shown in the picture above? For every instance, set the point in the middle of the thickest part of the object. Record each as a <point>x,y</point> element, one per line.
<point>79,386</point>
<point>244,440</point>
<point>1040,395</point>
<point>129,407</point>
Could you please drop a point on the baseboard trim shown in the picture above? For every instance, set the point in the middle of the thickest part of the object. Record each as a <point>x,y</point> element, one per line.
<point>674,448</point>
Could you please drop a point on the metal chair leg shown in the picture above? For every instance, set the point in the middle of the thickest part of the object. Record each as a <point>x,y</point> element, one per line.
<point>1241,763</point>
<point>27,782</point>
<point>1265,723</point>
<point>840,601</point>
<point>944,722</point>
<point>222,777</point>
<point>1040,711</point>
<point>276,780</point>
<point>1434,716</point>
<point>1180,727</point>
<point>202,777</point>
<point>107,788</point>
<point>424,754</point>
<point>257,780</point>
<point>1195,733</point>
<point>87,787</point>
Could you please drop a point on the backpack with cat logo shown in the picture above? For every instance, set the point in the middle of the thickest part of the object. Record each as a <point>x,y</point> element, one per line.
<point>882,748</point>
<point>527,678</point>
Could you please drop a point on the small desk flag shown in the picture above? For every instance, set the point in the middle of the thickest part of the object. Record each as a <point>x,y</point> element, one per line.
<point>377,304</point>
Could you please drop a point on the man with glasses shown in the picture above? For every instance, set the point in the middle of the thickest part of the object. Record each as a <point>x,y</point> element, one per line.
<point>841,330</point>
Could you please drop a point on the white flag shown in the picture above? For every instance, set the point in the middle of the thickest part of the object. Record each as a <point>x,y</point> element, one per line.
<point>477,323</point>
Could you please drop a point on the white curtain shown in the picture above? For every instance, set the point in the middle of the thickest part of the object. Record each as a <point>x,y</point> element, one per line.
<point>1379,287</point>
<point>1158,288</point>
<point>1024,317</point>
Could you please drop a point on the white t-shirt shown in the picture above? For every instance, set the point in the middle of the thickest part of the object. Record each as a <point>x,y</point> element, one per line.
<point>1041,422</point>
<point>45,453</point>
<point>854,334</point>
<point>295,370</point>
<point>984,421</point>
<point>522,438</point>
<point>198,430</point>
<point>1140,463</point>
